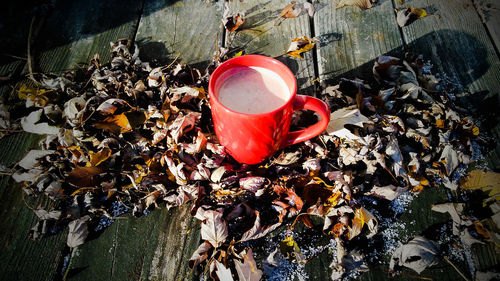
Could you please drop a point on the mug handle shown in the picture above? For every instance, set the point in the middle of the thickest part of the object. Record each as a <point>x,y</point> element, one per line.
<point>316,105</point>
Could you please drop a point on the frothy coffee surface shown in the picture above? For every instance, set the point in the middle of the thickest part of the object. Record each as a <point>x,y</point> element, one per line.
<point>253,90</point>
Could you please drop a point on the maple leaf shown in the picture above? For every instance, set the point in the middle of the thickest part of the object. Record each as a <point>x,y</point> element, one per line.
<point>248,271</point>
<point>214,228</point>
<point>300,45</point>
<point>99,157</point>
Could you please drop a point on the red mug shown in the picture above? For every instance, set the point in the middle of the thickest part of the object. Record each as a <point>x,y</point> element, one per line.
<point>252,138</point>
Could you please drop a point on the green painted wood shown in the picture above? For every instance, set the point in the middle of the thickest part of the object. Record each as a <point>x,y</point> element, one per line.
<point>76,30</point>
<point>260,35</point>
<point>20,257</point>
<point>73,32</point>
<point>191,28</point>
<point>489,11</point>
<point>353,38</point>
<point>153,247</point>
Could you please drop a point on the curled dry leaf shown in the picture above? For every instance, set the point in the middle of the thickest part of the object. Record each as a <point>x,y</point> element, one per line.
<point>233,22</point>
<point>290,11</point>
<point>248,270</point>
<point>418,254</point>
<point>223,272</point>
<point>291,251</point>
<point>299,46</point>
<point>309,9</point>
<point>346,116</point>
<point>362,4</point>
<point>78,232</point>
<point>406,16</point>
<point>31,124</point>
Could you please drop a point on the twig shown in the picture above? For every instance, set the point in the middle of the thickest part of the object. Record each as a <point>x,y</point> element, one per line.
<point>456,268</point>
<point>175,59</point>
<point>26,203</point>
<point>11,131</point>
<point>30,68</point>
<point>13,56</point>
<point>69,263</point>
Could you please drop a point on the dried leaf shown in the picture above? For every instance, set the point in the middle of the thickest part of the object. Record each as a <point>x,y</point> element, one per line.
<point>248,271</point>
<point>222,272</point>
<point>406,16</point>
<point>78,232</point>
<point>183,124</point>
<point>214,228</point>
<point>200,254</point>
<point>309,9</point>
<point>291,251</point>
<point>362,4</point>
<point>299,46</point>
<point>290,11</point>
<point>362,217</point>
<point>418,254</point>
<point>31,160</point>
<point>84,176</point>
<point>116,124</point>
<point>288,158</point>
<point>99,157</point>
<point>487,181</point>
<point>30,124</point>
<point>389,192</point>
<point>346,116</point>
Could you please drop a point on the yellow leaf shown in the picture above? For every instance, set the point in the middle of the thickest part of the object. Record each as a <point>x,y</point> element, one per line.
<point>116,124</point>
<point>290,250</point>
<point>238,54</point>
<point>475,131</point>
<point>440,123</point>
<point>418,12</point>
<point>487,181</point>
<point>36,95</point>
<point>99,157</point>
<point>361,217</point>
<point>299,46</point>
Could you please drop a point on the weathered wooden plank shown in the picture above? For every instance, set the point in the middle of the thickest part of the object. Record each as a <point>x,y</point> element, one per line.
<point>76,30</point>
<point>191,28</point>
<point>153,247</point>
<point>72,33</point>
<point>20,257</point>
<point>489,11</point>
<point>260,35</point>
<point>351,39</point>
<point>455,41</point>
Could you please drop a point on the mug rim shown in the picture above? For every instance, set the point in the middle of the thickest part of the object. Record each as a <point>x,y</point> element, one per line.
<point>221,69</point>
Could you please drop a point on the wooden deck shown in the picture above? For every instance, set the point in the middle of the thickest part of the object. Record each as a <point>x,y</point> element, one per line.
<point>157,246</point>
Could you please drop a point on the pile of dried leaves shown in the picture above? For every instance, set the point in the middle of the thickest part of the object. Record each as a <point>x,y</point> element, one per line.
<point>127,137</point>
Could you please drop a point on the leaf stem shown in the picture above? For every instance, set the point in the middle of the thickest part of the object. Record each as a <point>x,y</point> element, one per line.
<point>456,268</point>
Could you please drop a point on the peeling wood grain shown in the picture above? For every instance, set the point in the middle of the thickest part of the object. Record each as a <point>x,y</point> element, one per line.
<point>351,39</point>
<point>259,35</point>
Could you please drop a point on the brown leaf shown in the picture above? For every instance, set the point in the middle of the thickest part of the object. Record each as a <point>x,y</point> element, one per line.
<point>248,271</point>
<point>99,157</point>
<point>84,176</point>
<point>200,254</point>
<point>183,124</point>
<point>289,11</point>
<point>232,21</point>
<point>116,124</point>
<point>214,228</point>
<point>362,4</point>
<point>299,46</point>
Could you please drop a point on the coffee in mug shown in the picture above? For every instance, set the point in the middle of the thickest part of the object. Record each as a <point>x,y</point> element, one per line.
<point>252,99</point>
